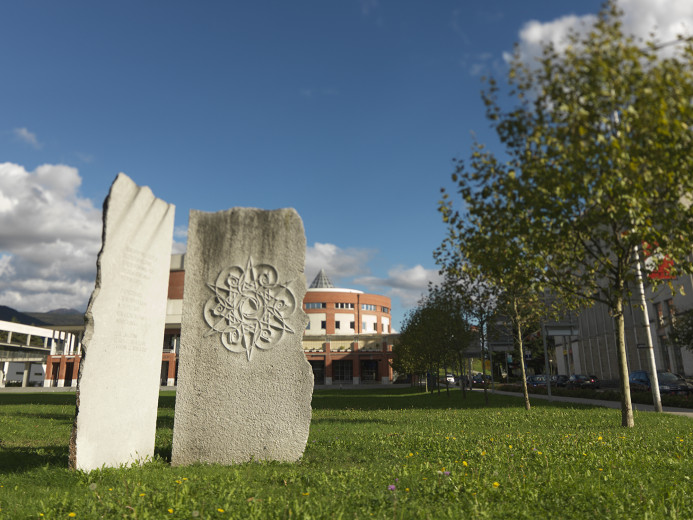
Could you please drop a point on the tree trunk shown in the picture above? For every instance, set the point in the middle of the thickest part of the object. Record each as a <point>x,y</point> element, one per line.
<point>447,383</point>
<point>624,384</point>
<point>463,383</point>
<point>525,392</point>
<point>483,359</point>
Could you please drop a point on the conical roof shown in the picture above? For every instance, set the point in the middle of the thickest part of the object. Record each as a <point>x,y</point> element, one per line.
<point>321,281</point>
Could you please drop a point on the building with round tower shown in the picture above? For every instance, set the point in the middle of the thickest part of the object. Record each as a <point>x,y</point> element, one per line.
<point>348,339</point>
<point>349,335</point>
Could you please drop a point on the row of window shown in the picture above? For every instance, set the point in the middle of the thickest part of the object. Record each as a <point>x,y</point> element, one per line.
<point>352,326</point>
<point>341,305</point>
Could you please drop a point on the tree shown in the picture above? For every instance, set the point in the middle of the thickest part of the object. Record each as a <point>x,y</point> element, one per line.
<point>682,330</point>
<point>472,293</point>
<point>432,334</point>
<point>494,255</point>
<point>597,164</point>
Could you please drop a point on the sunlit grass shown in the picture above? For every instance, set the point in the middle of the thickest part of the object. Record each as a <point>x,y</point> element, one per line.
<point>390,453</point>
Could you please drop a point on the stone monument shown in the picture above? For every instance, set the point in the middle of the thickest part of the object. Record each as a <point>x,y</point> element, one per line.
<point>118,385</point>
<point>244,384</point>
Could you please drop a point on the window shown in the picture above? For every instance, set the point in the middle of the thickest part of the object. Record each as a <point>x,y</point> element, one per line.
<point>660,314</point>
<point>671,311</point>
<point>323,324</point>
<point>364,327</point>
<point>308,326</point>
<point>342,370</point>
<point>375,327</point>
<point>316,305</point>
<point>352,324</point>
<point>343,305</point>
<point>337,324</point>
<point>385,310</point>
<point>368,307</point>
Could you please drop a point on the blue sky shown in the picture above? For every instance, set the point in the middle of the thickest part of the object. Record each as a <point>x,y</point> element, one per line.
<point>349,111</point>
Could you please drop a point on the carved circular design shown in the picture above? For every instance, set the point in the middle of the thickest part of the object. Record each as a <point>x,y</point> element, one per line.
<point>249,308</point>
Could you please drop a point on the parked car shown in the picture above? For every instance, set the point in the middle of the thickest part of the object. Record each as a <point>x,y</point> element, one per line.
<point>480,379</point>
<point>669,383</point>
<point>537,380</point>
<point>559,380</point>
<point>582,381</point>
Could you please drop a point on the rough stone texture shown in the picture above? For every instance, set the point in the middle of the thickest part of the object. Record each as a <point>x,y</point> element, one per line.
<point>244,384</point>
<point>118,386</point>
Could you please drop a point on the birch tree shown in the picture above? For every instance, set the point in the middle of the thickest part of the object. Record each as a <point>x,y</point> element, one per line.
<point>596,162</point>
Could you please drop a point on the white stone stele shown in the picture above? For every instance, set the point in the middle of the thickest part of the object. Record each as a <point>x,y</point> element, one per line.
<point>244,384</point>
<point>118,385</point>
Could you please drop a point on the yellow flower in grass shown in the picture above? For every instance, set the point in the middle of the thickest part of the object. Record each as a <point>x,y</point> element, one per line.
<point>170,510</point>
<point>220,510</point>
<point>496,484</point>
<point>72,515</point>
<point>599,438</point>
<point>464,463</point>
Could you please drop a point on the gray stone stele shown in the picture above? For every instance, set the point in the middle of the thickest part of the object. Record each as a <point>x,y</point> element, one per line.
<point>119,375</point>
<point>244,384</point>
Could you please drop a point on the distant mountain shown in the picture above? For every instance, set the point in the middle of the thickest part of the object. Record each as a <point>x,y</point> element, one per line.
<point>10,314</point>
<point>64,311</point>
<point>59,317</point>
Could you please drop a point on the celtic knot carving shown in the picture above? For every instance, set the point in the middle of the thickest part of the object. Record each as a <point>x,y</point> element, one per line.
<point>249,308</point>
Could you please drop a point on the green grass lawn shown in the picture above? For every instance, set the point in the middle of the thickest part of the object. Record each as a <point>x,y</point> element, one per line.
<point>390,453</point>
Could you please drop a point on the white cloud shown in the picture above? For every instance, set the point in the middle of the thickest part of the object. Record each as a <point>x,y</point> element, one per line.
<point>28,137</point>
<point>338,263</point>
<point>406,284</point>
<point>49,238</point>
<point>666,18</point>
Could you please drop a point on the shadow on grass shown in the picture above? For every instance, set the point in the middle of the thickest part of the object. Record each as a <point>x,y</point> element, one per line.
<point>59,417</point>
<point>164,421</point>
<point>405,398</point>
<point>167,400</point>
<point>163,452</point>
<point>19,460</point>
<point>342,420</point>
<point>67,399</point>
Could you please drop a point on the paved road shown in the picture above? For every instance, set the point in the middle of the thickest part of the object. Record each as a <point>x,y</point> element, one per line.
<point>596,402</point>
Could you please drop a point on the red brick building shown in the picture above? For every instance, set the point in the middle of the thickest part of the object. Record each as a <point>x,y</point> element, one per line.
<point>349,335</point>
<point>348,340</point>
